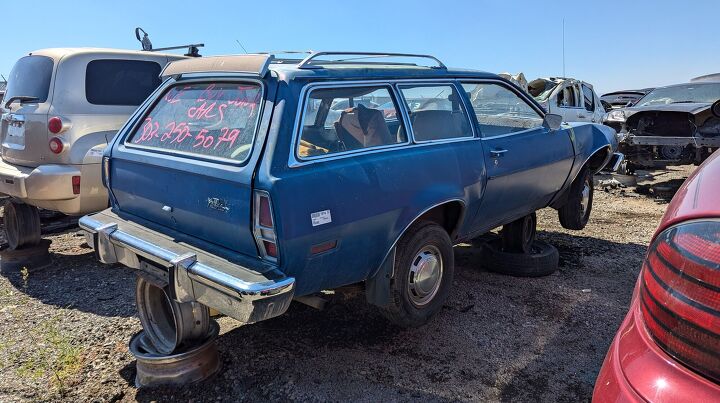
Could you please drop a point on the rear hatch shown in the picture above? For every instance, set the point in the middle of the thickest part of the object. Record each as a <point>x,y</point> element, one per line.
<point>188,162</point>
<point>23,129</point>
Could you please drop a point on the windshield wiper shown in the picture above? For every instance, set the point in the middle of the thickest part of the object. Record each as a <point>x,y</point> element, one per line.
<point>21,98</point>
<point>682,102</point>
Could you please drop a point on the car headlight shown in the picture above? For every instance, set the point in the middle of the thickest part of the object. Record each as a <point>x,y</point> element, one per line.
<point>616,115</point>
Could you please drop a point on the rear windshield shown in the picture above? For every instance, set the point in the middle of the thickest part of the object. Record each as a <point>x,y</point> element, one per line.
<point>30,77</point>
<point>120,82</point>
<point>215,120</point>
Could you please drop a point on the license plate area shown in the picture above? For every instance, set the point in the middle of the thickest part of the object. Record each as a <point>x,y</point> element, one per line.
<point>155,275</point>
<point>15,137</point>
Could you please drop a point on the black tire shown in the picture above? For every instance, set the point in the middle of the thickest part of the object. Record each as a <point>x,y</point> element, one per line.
<point>574,214</point>
<point>411,305</point>
<point>519,235</point>
<point>22,225</point>
<point>542,261</point>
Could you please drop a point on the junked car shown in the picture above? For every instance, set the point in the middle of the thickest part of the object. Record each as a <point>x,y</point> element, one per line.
<point>621,99</point>
<point>234,186</point>
<point>61,108</point>
<point>668,347</point>
<point>574,100</point>
<point>670,125</point>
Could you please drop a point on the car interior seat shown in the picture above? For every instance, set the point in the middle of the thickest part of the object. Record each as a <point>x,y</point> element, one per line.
<point>362,127</point>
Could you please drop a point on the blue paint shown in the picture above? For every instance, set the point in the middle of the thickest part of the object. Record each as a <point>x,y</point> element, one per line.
<point>373,197</point>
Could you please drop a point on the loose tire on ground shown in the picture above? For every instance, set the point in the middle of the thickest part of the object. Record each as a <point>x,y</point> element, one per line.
<point>576,212</point>
<point>22,225</point>
<point>541,261</point>
<point>519,235</point>
<point>423,274</point>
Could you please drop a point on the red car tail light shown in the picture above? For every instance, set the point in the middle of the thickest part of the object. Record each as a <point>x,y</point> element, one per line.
<point>264,226</point>
<point>55,125</point>
<point>680,294</point>
<point>76,185</point>
<point>56,145</point>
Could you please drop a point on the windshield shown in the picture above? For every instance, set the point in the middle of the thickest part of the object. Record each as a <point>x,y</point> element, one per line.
<point>695,92</point>
<point>541,89</point>
<point>215,120</point>
<point>30,77</point>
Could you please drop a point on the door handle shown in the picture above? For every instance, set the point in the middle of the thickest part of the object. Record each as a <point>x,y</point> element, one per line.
<point>582,116</point>
<point>497,153</point>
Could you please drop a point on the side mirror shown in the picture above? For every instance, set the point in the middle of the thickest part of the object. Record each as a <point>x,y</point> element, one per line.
<point>552,121</point>
<point>715,108</point>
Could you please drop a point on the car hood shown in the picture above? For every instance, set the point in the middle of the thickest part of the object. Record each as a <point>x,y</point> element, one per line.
<point>693,107</point>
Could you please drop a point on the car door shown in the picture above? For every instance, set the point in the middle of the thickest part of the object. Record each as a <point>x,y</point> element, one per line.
<point>589,105</point>
<point>526,162</point>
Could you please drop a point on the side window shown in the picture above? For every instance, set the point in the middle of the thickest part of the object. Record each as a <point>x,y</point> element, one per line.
<point>500,110</point>
<point>436,112</point>
<point>567,97</point>
<point>120,82</point>
<point>588,98</point>
<point>349,118</point>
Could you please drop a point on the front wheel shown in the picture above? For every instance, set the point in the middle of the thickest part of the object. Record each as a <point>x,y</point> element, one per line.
<point>576,211</point>
<point>424,266</point>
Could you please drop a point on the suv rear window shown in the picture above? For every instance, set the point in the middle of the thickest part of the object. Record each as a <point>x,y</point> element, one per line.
<point>120,82</point>
<point>30,77</point>
<point>215,120</point>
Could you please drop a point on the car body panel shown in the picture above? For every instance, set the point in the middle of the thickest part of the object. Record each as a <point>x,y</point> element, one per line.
<point>369,197</point>
<point>635,368</point>
<point>86,129</point>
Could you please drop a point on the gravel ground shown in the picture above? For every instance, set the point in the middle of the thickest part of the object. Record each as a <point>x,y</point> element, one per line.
<point>65,328</point>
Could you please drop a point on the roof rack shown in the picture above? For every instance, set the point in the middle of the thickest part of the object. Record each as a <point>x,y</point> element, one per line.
<point>306,63</point>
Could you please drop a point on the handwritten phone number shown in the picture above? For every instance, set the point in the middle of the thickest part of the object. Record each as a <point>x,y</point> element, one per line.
<point>180,133</point>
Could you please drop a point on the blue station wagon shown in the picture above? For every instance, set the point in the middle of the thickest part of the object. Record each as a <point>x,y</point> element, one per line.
<point>245,182</point>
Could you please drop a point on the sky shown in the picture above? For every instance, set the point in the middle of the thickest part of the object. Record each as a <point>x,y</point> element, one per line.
<point>611,44</point>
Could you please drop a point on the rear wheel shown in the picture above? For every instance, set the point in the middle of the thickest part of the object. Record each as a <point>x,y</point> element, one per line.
<point>576,212</point>
<point>22,225</point>
<point>424,267</point>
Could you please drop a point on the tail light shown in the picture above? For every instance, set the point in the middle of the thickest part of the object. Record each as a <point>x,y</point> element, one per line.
<point>56,145</point>
<point>264,226</point>
<point>55,125</point>
<point>680,294</point>
<point>76,185</point>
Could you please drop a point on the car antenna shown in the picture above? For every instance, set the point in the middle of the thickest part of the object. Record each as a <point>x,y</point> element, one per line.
<point>147,46</point>
<point>563,45</point>
<point>243,47</point>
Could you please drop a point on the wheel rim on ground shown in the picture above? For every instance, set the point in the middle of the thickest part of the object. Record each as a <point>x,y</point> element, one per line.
<point>425,275</point>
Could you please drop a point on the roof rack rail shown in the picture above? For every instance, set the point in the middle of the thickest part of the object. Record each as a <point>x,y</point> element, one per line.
<point>306,62</point>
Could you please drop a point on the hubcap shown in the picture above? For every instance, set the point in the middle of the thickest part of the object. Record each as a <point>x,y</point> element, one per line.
<point>585,201</point>
<point>425,275</point>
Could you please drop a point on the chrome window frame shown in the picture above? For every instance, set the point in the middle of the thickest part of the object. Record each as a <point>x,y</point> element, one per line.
<point>452,83</point>
<point>521,95</point>
<point>163,89</point>
<point>293,159</point>
<point>305,96</point>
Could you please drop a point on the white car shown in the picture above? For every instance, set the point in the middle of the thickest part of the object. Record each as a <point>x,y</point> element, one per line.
<point>574,100</point>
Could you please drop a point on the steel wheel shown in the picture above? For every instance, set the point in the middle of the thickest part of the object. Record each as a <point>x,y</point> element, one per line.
<point>425,275</point>
<point>585,198</point>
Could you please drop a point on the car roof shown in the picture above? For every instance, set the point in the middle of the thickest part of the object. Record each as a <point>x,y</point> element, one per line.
<point>58,53</point>
<point>292,69</point>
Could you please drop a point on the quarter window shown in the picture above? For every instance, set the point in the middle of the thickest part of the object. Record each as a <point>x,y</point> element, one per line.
<point>436,112</point>
<point>120,82</point>
<point>349,118</point>
<point>500,110</point>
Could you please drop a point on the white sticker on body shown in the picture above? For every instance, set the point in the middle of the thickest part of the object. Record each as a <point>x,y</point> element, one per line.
<point>320,217</point>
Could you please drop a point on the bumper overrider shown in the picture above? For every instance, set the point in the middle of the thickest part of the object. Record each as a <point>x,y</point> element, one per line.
<point>243,293</point>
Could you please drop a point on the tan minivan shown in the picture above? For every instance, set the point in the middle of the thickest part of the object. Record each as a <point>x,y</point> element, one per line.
<point>60,109</point>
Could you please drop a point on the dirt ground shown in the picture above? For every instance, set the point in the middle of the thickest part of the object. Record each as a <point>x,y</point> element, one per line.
<point>65,328</point>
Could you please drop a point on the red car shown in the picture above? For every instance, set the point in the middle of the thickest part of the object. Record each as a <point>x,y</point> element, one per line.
<point>668,346</point>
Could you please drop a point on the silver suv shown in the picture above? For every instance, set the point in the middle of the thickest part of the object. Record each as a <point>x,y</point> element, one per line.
<point>61,108</point>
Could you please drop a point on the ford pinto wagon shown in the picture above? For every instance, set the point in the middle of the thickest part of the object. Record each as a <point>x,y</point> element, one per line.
<point>247,181</point>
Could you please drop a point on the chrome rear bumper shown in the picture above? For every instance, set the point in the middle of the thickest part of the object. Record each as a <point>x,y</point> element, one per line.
<point>246,294</point>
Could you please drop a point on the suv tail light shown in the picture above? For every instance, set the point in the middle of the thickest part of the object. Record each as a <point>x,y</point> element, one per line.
<point>264,226</point>
<point>55,125</point>
<point>56,145</point>
<point>680,294</point>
